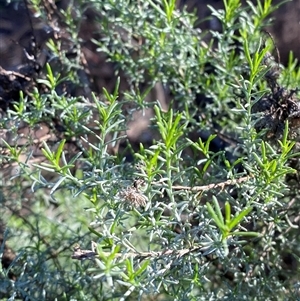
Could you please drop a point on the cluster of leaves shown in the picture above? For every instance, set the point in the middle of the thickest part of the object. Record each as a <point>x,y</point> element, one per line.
<point>204,212</point>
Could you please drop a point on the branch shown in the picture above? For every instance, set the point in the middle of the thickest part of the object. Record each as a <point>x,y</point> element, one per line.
<point>213,185</point>
<point>80,254</point>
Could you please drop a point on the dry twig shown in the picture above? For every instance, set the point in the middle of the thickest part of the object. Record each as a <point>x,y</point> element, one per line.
<point>80,254</point>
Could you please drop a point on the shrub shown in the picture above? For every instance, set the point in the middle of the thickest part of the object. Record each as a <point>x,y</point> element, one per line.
<point>205,207</point>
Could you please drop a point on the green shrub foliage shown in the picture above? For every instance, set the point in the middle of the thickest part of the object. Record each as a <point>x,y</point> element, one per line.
<point>201,204</point>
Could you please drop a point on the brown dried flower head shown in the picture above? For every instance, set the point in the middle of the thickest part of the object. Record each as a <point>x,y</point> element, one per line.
<point>133,197</point>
